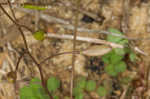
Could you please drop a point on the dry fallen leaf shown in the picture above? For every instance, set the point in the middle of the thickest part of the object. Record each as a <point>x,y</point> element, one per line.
<point>97,50</point>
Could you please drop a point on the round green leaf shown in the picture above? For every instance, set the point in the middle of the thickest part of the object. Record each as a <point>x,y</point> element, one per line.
<point>25,92</point>
<point>91,85</point>
<point>115,58</point>
<point>120,67</point>
<point>106,57</point>
<point>101,91</point>
<point>53,84</point>
<point>77,91</point>
<point>79,96</point>
<point>56,97</point>
<point>119,51</point>
<point>38,91</point>
<point>39,35</point>
<point>33,91</point>
<point>132,56</point>
<point>110,70</point>
<point>81,82</point>
<point>112,38</point>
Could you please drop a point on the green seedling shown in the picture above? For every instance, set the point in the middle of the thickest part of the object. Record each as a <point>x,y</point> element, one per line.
<point>53,84</point>
<point>114,59</point>
<point>81,86</point>
<point>77,91</point>
<point>33,91</point>
<point>36,91</point>
<point>79,96</point>
<point>56,97</point>
<point>101,91</point>
<point>81,82</point>
<point>91,85</point>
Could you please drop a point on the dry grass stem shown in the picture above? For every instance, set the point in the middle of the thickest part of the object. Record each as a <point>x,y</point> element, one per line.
<point>85,39</point>
<point>66,24</point>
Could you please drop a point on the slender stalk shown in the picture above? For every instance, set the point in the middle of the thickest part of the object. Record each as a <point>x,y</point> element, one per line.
<point>19,28</point>
<point>19,59</point>
<point>48,58</point>
<point>74,48</point>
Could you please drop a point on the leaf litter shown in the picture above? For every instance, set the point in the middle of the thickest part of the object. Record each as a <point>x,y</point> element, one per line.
<point>137,21</point>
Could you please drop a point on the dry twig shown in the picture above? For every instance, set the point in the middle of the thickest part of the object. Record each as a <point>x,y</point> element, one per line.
<point>85,39</point>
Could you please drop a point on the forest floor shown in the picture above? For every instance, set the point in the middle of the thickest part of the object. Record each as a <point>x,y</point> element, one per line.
<point>75,40</point>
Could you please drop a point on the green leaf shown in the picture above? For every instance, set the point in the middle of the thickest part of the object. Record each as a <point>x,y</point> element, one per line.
<point>38,91</point>
<point>110,70</point>
<point>34,7</point>
<point>81,82</point>
<point>25,92</point>
<point>126,80</point>
<point>123,42</point>
<point>115,58</point>
<point>39,35</point>
<point>119,51</point>
<point>120,67</point>
<point>91,85</point>
<point>33,91</point>
<point>35,80</point>
<point>132,56</point>
<point>66,97</point>
<point>101,91</point>
<point>77,91</point>
<point>112,38</point>
<point>56,97</point>
<point>79,96</point>
<point>106,57</point>
<point>53,84</point>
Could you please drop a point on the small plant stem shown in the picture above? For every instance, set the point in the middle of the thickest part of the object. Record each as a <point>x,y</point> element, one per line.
<point>42,76</point>
<point>19,59</point>
<point>48,58</point>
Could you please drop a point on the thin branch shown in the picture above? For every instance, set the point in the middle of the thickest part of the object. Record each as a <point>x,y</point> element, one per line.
<point>19,28</point>
<point>25,42</point>
<point>12,11</point>
<point>48,58</point>
<point>19,59</point>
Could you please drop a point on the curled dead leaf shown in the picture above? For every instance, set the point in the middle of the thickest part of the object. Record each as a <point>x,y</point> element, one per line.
<point>97,50</point>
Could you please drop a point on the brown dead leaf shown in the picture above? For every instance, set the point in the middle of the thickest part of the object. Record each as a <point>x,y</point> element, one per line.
<point>97,50</point>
